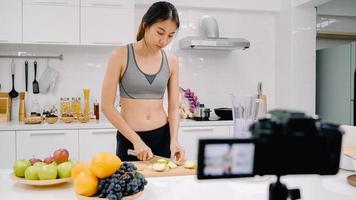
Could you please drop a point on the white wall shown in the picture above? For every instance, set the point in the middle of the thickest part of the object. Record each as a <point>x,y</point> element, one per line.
<point>295,57</point>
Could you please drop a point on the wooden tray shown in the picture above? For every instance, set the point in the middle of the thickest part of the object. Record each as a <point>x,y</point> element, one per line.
<point>39,182</point>
<point>352,180</point>
<point>131,197</point>
<point>145,168</point>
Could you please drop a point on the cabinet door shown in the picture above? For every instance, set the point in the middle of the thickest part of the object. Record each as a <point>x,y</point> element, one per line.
<point>41,144</point>
<point>189,137</point>
<point>92,141</point>
<point>10,20</point>
<point>107,22</point>
<point>51,21</point>
<point>7,149</point>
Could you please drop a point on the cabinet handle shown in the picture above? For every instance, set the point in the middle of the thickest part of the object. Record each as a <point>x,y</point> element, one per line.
<point>47,133</point>
<point>52,42</point>
<point>198,129</point>
<point>102,132</point>
<point>4,40</point>
<point>52,2</point>
<point>107,5</point>
<point>106,43</point>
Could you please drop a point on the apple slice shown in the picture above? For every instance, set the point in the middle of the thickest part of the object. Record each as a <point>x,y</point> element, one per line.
<point>162,160</point>
<point>159,167</point>
<point>189,164</point>
<point>172,165</point>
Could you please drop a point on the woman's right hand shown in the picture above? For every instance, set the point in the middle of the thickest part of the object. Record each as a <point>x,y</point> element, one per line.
<point>143,151</point>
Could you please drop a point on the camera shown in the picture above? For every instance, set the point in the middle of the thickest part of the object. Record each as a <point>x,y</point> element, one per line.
<point>284,142</point>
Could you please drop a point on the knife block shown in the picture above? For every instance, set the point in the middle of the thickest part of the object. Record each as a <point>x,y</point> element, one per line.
<point>5,107</point>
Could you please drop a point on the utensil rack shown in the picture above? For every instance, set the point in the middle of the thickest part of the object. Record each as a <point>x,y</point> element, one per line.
<point>60,57</point>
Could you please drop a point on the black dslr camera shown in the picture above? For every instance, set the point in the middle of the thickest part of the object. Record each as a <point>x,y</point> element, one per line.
<point>283,143</point>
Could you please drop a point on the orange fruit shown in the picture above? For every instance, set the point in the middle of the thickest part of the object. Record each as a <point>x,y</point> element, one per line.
<point>79,168</point>
<point>86,183</point>
<point>105,164</point>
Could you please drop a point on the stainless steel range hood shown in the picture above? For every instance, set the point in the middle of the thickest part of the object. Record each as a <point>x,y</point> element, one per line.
<point>210,40</point>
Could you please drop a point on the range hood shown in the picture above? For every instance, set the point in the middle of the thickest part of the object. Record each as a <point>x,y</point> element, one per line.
<point>210,40</point>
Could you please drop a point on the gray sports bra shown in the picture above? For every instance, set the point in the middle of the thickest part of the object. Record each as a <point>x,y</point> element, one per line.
<point>136,84</point>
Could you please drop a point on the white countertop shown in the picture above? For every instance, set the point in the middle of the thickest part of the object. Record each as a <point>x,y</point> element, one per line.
<point>313,187</point>
<point>93,124</point>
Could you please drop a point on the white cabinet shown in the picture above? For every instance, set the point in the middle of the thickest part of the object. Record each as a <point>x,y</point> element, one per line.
<point>92,141</point>
<point>43,143</point>
<point>7,149</point>
<point>10,21</point>
<point>189,137</point>
<point>107,22</point>
<point>51,21</point>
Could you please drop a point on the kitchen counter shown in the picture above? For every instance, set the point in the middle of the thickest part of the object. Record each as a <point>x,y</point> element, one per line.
<point>93,124</point>
<point>313,187</point>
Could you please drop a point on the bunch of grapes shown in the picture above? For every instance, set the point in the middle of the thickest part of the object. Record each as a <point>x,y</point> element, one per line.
<point>193,100</point>
<point>124,182</point>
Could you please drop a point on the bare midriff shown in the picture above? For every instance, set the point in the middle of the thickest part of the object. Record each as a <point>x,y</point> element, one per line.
<point>143,114</point>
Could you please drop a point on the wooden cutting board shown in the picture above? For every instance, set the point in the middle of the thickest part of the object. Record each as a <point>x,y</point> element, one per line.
<point>146,169</point>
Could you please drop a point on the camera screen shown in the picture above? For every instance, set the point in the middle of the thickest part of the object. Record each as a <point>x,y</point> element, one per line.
<point>226,158</point>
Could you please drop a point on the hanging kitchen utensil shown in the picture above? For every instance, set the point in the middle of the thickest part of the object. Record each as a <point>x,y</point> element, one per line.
<point>26,75</point>
<point>48,79</point>
<point>13,93</point>
<point>35,84</point>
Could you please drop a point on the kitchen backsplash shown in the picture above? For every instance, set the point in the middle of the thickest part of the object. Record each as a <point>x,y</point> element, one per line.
<point>212,75</point>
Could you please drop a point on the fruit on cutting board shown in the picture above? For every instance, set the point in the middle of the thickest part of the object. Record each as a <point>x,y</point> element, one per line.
<point>104,164</point>
<point>60,155</point>
<point>159,167</point>
<point>189,164</point>
<point>172,165</point>
<point>20,167</point>
<point>162,160</point>
<point>86,183</point>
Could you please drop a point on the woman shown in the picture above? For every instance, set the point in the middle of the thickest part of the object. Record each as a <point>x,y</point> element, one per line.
<point>143,71</point>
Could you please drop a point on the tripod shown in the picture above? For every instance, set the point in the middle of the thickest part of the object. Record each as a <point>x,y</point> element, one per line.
<point>279,191</point>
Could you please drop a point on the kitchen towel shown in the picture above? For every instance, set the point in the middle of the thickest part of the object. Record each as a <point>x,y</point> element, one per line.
<point>48,80</point>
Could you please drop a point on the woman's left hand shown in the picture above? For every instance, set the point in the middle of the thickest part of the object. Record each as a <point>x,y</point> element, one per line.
<point>177,152</point>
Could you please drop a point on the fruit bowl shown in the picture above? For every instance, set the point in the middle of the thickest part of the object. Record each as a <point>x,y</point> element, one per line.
<point>51,120</point>
<point>33,120</point>
<point>131,197</point>
<point>39,182</point>
<point>83,119</point>
<point>67,119</point>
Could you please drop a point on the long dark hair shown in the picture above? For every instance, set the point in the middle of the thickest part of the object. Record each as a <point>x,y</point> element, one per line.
<point>158,11</point>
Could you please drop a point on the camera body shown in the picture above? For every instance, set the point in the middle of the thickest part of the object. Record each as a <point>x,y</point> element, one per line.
<point>284,142</point>
<point>293,143</point>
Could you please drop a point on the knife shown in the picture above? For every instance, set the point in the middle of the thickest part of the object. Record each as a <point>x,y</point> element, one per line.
<point>154,158</point>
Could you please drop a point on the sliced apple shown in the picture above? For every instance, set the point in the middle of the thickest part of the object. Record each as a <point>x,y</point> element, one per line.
<point>162,160</point>
<point>172,165</point>
<point>189,164</point>
<point>159,167</point>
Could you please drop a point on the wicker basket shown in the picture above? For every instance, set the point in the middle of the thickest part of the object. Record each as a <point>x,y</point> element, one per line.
<point>83,119</point>
<point>33,120</point>
<point>51,120</point>
<point>67,119</point>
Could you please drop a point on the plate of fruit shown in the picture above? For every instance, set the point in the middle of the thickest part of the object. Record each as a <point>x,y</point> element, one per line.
<point>106,177</point>
<point>52,170</point>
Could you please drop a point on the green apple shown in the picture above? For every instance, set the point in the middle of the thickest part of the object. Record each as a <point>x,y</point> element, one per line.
<point>74,162</point>
<point>47,172</point>
<point>20,167</point>
<point>65,169</point>
<point>31,173</point>
<point>39,164</point>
